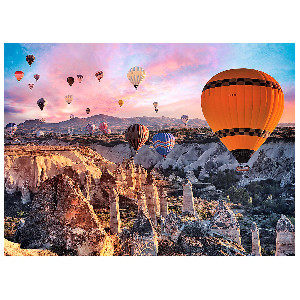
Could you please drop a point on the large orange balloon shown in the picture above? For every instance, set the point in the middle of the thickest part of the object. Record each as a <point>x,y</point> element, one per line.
<point>242,107</point>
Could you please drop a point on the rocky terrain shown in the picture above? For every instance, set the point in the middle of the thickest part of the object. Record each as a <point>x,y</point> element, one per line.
<point>70,200</point>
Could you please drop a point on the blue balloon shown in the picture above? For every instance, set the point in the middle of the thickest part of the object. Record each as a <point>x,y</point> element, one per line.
<point>163,143</point>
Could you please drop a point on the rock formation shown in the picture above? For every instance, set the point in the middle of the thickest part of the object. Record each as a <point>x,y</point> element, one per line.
<point>141,240</point>
<point>163,203</point>
<point>188,199</point>
<point>285,237</point>
<point>225,223</point>
<point>115,221</point>
<point>256,249</point>
<point>14,249</point>
<point>152,198</point>
<point>62,218</point>
<point>171,227</point>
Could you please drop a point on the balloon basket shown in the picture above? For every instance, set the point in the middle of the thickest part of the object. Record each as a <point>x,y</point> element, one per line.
<point>242,168</point>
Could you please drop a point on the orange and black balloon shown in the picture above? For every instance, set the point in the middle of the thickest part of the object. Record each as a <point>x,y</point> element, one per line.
<point>242,107</point>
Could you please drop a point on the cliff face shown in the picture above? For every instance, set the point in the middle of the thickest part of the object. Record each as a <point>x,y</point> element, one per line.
<point>272,160</point>
<point>61,218</point>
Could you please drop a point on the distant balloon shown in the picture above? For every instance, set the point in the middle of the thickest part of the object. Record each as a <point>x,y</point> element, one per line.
<point>40,133</point>
<point>36,77</point>
<point>99,75</point>
<point>30,85</point>
<point>42,103</point>
<point>42,120</point>
<point>184,119</point>
<point>155,104</point>
<point>137,135</point>
<point>72,116</point>
<point>11,128</point>
<point>30,59</point>
<point>70,80</point>
<point>136,75</point>
<point>69,98</point>
<point>87,110</point>
<point>19,75</point>
<point>121,102</point>
<point>103,126</point>
<point>91,128</point>
<point>163,143</point>
<point>79,77</point>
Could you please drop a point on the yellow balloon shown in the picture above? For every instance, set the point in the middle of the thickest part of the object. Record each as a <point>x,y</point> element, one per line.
<point>121,102</point>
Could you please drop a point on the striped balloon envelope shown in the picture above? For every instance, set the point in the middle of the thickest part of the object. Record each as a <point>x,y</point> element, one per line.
<point>242,107</point>
<point>90,128</point>
<point>137,135</point>
<point>19,75</point>
<point>163,143</point>
<point>103,126</point>
<point>136,75</point>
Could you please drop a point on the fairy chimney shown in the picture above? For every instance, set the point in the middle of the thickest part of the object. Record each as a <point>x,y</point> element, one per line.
<point>256,249</point>
<point>138,177</point>
<point>225,223</point>
<point>188,199</point>
<point>141,240</point>
<point>163,203</point>
<point>152,198</point>
<point>115,221</point>
<point>285,239</point>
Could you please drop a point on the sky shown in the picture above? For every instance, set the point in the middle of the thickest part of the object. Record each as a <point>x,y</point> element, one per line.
<point>175,77</point>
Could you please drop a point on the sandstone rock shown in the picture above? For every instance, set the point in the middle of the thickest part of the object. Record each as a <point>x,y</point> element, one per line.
<point>63,220</point>
<point>152,198</point>
<point>115,221</point>
<point>163,204</point>
<point>188,199</point>
<point>285,238</point>
<point>225,223</point>
<point>141,240</point>
<point>14,249</point>
<point>196,239</point>
<point>256,249</point>
<point>171,227</point>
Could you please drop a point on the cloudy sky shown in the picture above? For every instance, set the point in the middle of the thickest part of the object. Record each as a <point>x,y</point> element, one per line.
<point>175,77</point>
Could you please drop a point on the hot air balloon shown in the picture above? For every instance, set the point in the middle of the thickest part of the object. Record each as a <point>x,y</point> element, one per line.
<point>87,110</point>
<point>184,119</point>
<point>30,59</point>
<point>99,75</point>
<point>42,103</point>
<point>103,126</point>
<point>40,133</point>
<point>137,135</point>
<point>155,104</point>
<point>70,80</point>
<point>30,85</point>
<point>242,107</point>
<point>69,98</point>
<point>72,116</point>
<point>121,102</point>
<point>36,77</point>
<point>136,75</point>
<point>42,120</point>
<point>19,75</point>
<point>163,143</point>
<point>79,77</point>
<point>90,128</point>
<point>107,131</point>
<point>11,128</point>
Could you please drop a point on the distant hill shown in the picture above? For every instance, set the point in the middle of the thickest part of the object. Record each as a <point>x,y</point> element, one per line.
<point>117,125</point>
<point>77,125</point>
